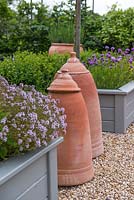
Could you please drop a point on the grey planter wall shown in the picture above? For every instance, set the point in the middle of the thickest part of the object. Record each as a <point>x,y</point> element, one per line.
<point>32,176</point>
<point>117,108</point>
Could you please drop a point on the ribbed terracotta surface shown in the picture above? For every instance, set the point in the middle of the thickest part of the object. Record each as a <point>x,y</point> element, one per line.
<point>62,48</point>
<point>75,153</point>
<point>86,82</point>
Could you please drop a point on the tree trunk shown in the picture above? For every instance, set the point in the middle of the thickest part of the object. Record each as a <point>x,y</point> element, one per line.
<point>93,6</point>
<point>85,4</point>
<point>77,28</point>
<point>31,4</point>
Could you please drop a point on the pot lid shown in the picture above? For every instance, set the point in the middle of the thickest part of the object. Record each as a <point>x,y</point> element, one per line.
<point>74,65</point>
<point>63,82</point>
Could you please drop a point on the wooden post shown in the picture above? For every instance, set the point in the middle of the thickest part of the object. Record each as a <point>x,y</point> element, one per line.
<point>31,4</point>
<point>93,6</point>
<point>77,28</point>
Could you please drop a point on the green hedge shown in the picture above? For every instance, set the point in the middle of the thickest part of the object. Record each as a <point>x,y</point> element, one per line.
<point>39,69</point>
<point>32,69</point>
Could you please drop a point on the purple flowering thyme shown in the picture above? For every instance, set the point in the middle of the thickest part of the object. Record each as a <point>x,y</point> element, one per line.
<point>28,119</point>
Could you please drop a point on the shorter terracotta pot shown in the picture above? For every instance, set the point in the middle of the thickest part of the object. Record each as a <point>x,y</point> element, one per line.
<point>75,153</point>
<point>62,48</point>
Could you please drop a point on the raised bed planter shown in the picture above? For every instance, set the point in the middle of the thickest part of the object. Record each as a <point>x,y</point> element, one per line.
<point>32,176</point>
<point>117,108</point>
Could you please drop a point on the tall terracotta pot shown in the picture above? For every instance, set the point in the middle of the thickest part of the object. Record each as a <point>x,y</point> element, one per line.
<point>86,82</point>
<point>62,48</point>
<point>74,154</point>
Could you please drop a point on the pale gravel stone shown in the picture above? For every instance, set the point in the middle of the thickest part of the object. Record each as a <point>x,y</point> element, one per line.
<point>114,172</point>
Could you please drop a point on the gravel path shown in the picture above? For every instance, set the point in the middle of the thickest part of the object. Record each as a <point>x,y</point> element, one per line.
<point>114,172</point>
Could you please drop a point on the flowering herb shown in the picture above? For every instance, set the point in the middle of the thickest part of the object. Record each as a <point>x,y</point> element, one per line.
<point>111,69</point>
<point>28,119</point>
<point>107,47</point>
<point>112,48</point>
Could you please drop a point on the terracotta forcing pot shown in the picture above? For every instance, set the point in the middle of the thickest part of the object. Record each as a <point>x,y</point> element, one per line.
<point>86,82</point>
<point>62,48</point>
<point>74,154</point>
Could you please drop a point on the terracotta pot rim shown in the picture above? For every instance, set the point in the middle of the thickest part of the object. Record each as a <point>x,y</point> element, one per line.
<point>76,73</point>
<point>63,44</point>
<point>64,90</point>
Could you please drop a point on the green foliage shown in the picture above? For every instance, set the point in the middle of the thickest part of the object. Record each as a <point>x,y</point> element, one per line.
<point>91,28</point>
<point>62,23</point>
<point>39,69</point>
<point>111,78</point>
<point>23,29</point>
<point>33,26</point>
<point>2,115</point>
<point>118,28</point>
<point>7,22</point>
<point>110,70</point>
<point>62,32</point>
<point>32,69</point>
<point>3,151</point>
